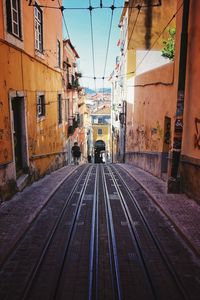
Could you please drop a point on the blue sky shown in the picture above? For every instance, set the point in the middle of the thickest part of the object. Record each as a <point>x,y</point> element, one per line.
<point>78,23</point>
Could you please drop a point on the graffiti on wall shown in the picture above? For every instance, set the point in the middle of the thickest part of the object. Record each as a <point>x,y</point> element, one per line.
<point>144,138</point>
<point>197,134</point>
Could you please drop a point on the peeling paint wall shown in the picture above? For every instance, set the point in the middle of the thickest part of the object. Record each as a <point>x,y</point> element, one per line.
<point>153,101</point>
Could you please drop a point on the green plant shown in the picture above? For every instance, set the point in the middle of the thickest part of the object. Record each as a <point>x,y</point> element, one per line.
<point>168,50</point>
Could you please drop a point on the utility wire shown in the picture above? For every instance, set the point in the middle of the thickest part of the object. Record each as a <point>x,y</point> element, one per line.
<point>112,7</point>
<point>92,40</point>
<point>136,19</point>
<point>159,35</point>
<point>66,28</point>
<point>64,21</point>
<point>108,43</point>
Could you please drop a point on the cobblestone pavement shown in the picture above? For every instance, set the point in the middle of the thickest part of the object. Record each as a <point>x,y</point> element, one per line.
<point>17,213</point>
<point>183,211</point>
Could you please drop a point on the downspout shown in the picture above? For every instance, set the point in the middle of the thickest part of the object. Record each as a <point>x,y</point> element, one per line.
<point>174,179</point>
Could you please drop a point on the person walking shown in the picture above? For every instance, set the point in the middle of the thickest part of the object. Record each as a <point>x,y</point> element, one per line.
<point>76,153</point>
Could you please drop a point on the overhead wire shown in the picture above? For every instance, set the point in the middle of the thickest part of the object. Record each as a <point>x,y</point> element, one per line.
<point>112,7</point>
<point>108,44</point>
<point>92,41</point>
<point>158,37</point>
<point>64,21</point>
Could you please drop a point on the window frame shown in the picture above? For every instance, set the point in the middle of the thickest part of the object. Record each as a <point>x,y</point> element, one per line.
<point>60,118</point>
<point>100,130</point>
<point>10,19</point>
<point>58,53</point>
<point>41,110</point>
<point>38,26</point>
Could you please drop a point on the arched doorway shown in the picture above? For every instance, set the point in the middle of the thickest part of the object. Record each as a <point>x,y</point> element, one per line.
<point>99,151</point>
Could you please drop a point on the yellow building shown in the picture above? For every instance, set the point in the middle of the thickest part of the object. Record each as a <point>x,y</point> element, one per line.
<point>32,129</point>
<point>101,134</point>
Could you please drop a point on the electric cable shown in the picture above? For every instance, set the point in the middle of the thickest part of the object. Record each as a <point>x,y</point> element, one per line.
<point>112,7</point>
<point>108,43</point>
<point>92,40</point>
<point>158,37</point>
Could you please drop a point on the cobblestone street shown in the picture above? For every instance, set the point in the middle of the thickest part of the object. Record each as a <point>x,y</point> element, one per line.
<point>95,230</point>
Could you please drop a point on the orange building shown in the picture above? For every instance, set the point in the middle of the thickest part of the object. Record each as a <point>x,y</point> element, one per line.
<point>32,131</point>
<point>72,95</point>
<point>163,111</point>
<point>190,148</point>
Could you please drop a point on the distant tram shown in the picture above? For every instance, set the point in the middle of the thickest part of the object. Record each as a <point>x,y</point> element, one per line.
<point>99,152</point>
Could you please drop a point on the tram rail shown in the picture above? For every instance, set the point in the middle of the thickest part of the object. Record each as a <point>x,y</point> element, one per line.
<point>96,243</point>
<point>116,176</point>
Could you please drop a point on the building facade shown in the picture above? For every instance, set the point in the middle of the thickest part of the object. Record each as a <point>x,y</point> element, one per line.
<point>32,131</point>
<point>161,115</point>
<point>101,134</point>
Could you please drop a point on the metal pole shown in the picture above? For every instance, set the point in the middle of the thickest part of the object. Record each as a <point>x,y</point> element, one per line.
<point>174,180</point>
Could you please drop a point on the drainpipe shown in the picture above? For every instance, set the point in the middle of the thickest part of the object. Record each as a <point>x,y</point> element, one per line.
<point>174,180</point>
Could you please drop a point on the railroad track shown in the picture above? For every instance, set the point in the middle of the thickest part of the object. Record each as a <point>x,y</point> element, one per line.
<point>92,241</point>
<point>22,266</point>
<point>144,239</point>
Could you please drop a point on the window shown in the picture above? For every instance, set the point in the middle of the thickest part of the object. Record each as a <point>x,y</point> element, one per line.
<point>38,29</point>
<point>13,17</point>
<point>67,110</point>
<point>58,54</point>
<point>99,131</point>
<point>59,109</point>
<point>40,106</point>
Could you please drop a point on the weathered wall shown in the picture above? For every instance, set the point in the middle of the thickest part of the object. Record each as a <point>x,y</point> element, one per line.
<point>153,99</point>
<point>26,72</point>
<point>190,163</point>
<point>45,136</point>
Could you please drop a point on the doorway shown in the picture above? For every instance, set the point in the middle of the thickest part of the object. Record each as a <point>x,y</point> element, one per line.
<point>19,135</point>
<point>99,151</point>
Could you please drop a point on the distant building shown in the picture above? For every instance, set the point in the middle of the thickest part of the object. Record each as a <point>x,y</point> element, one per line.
<point>101,133</point>
<point>71,91</point>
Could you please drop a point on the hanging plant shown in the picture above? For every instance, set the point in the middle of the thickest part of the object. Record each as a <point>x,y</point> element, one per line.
<point>168,50</point>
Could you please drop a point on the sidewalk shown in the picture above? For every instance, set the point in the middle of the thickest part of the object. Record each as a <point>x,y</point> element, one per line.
<point>17,213</point>
<point>183,211</point>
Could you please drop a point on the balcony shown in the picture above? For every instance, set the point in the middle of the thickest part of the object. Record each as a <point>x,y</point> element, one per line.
<point>73,84</point>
